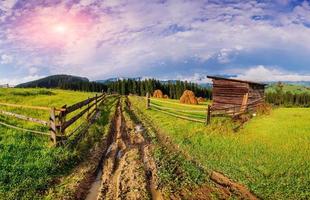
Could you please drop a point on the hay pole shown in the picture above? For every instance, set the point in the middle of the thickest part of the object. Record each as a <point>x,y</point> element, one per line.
<point>179,116</point>
<point>24,106</point>
<point>181,104</point>
<point>208,120</point>
<point>148,101</point>
<point>26,118</point>
<point>179,110</point>
<point>23,129</point>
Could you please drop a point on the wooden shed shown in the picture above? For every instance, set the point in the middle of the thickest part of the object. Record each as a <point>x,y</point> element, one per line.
<point>236,95</point>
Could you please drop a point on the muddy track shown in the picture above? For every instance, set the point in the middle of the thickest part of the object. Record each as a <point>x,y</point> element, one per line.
<point>128,170</point>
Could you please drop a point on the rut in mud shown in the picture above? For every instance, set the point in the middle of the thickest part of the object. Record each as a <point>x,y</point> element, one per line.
<point>128,170</point>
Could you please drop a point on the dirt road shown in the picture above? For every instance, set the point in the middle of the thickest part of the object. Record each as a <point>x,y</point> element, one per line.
<point>128,170</point>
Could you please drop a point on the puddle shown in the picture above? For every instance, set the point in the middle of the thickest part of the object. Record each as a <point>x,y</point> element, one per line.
<point>156,195</point>
<point>95,187</point>
<point>109,149</point>
<point>119,154</point>
<point>139,128</point>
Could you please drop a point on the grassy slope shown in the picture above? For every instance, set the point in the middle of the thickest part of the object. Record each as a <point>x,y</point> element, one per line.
<point>27,164</point>
<point>290,88</point>
<point>185,110</point>
<point>270,155</point>
<point>38,97</point>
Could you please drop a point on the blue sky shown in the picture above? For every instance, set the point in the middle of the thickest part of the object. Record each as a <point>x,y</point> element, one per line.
<point>168,39</point>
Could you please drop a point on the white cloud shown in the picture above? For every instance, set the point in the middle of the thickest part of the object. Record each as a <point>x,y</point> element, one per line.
<point>135,37</point>
<point>271,74</point>
<point>196,78</point>
<point>115,37</point>
<point>6,7</point>
<point>16,81</point>
<point>6,59</point>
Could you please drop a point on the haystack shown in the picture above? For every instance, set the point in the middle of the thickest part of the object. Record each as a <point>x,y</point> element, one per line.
<point>166,96</point>
<point>188,97</point>
<point>201,99</point>
<point>158,94</point>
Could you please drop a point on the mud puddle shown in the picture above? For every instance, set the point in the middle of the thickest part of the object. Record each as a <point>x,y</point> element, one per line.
<point>128,170</point>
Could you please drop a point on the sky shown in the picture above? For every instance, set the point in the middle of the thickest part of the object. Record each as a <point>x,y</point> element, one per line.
<point>262,40</point>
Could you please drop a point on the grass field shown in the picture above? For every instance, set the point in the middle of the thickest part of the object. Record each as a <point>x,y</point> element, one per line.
<point>28,166</point>
<point>295,89</point>
<point>174,106</point>
<point>270,154</point>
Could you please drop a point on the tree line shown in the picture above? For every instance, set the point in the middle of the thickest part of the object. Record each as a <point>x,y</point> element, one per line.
<point>288,98</point>
<point>174,89</point>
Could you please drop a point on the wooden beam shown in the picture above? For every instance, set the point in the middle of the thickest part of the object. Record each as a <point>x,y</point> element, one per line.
<point>23,117</point>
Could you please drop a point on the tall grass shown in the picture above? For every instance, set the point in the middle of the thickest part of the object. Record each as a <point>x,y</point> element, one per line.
<point>270,154</point>
<point>28,166</point>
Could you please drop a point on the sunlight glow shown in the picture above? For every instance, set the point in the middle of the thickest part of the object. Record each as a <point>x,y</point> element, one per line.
<point>60,28</point>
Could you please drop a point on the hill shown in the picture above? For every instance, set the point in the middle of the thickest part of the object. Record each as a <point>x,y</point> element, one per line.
<point>55,81</point>
<point>294,88</point>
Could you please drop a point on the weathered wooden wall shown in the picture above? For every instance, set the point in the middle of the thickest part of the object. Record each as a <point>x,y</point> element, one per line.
<point>230,93</point>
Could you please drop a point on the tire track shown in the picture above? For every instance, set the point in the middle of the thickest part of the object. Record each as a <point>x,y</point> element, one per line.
<point>128,168</point>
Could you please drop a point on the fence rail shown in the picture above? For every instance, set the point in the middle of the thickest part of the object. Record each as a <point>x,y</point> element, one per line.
<point>23,117</point>
<point>209,110</point>
<point>190,114</point>
<point>58,123</point>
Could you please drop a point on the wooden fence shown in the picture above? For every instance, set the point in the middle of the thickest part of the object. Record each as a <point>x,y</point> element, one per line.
<point>209,111</point>
<point>197,114</point>
<point>58,122</point>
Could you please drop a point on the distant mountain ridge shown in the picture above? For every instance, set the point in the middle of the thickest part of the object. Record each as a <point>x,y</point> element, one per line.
<point>54,81</point>
<point>61,80</point>
<point>110,80</point>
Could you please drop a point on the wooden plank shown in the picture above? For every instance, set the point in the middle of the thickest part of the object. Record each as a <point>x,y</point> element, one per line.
<point>180,116</point>
<point>53,130</point>
<point>23,129</point>
<point>25,106</point>
<point>178,110</point>
<point>209,115</point>
<point>80,104</point>
<point>180,104</point>
<point>148,100</point>
<point>76,117</point>
<point>26,118</point>
<point>244,103</point>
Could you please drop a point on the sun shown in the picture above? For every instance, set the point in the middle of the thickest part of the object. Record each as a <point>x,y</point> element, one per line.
<point>60,28</point>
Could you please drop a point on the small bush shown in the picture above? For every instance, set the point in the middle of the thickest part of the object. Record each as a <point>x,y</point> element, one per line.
<point>264,109</point>
<point>33,93</point>
<point>201,99</point>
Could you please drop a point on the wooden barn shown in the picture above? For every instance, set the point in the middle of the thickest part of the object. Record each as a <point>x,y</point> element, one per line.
<point>236,96</point>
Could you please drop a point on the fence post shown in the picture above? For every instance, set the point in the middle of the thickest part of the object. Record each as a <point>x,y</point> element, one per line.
<point>148,100</point>
<point>53,128</point>
<point>62,120</point>
<point>209,115</point>
<point>96,101</point>
<point>88,109</point>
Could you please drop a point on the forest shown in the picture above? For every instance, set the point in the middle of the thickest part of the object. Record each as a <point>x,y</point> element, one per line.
<point>173,89</point>
<point>276,94</point>
<point>287,98</point>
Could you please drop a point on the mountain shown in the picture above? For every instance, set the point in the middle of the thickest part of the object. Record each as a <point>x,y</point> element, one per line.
<point>55,81</point>
<point>111,80</point>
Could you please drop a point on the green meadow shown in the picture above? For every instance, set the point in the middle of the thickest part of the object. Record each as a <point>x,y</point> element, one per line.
<point>28,164</point>
<point>173,106</point>
<point>270,154</point>
<point>294,89</point>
